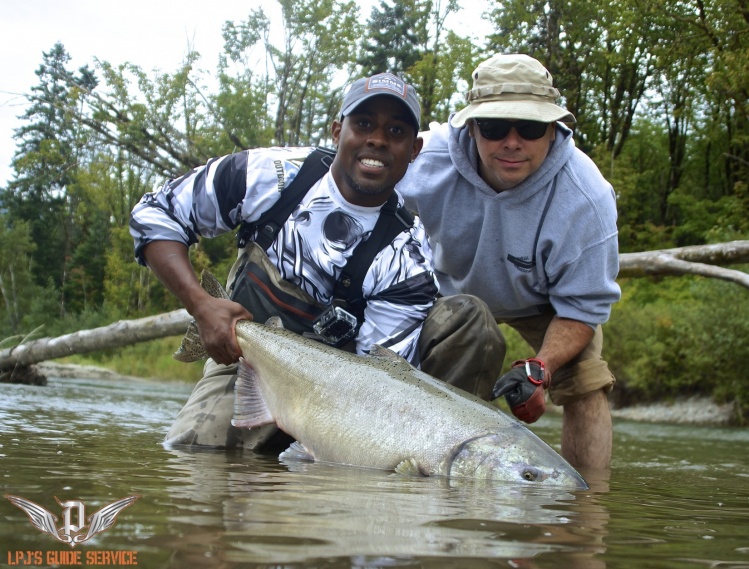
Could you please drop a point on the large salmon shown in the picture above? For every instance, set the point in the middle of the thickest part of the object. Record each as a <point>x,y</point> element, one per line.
<point>378,411</point>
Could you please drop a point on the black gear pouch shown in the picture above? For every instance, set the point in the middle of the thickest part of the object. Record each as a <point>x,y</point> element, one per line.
<point>256,284</point>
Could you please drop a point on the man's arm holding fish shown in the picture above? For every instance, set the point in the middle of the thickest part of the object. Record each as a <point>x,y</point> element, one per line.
<point>216,317</point>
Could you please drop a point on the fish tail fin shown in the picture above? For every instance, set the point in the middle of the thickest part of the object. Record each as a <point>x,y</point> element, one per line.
<point>211,285</point>
<point>191,349</point>
<point>250,409</point>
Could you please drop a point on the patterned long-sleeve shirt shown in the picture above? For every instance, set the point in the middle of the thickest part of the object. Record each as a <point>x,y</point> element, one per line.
<point>311,248</point>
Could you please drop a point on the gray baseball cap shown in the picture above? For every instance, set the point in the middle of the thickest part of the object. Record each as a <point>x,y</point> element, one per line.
<point>382,84</point>
<point>512,86</point>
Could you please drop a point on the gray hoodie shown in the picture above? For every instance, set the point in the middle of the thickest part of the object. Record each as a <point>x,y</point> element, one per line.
<point>552,239</point>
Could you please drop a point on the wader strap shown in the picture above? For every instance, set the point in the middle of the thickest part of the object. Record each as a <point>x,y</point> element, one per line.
<point>392,221</point>
<point>270,223</point>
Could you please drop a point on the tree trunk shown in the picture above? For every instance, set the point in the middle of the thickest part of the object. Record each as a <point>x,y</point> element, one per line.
<point>694,260</point>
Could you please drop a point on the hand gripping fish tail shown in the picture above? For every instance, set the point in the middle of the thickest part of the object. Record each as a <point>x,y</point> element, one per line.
<point>191,349</point>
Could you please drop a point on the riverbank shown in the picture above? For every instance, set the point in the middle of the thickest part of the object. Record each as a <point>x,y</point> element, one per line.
<point>66,371</point>
<point>688,411</point>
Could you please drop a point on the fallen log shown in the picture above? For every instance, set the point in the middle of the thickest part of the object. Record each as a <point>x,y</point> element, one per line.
<point>116,335</point>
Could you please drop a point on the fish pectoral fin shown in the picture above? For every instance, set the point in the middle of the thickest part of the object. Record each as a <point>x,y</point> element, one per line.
<point>297,452</point>
<point>250,409</point>
<point>410,467</point>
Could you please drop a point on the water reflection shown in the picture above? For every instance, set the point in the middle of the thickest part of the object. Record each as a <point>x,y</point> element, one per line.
<point>314,511</point>
<point>676,496</point>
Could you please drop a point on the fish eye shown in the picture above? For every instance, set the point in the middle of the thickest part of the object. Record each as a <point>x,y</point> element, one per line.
<point>530,474</point>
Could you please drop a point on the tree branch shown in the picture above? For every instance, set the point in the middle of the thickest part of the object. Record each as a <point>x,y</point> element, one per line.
<point>693,260</point>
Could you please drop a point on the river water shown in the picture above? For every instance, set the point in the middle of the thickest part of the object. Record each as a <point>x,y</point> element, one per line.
<point>676,496</point>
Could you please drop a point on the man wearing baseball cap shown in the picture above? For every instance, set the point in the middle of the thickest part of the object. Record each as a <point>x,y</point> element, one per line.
<point>523,220</point>
<point>294,275</point>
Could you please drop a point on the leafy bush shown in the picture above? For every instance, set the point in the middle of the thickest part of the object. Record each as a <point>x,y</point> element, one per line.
<point>682,336</point>
<point>150,360</point>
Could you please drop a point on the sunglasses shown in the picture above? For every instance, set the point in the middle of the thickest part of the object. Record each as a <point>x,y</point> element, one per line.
<point>497,129</point>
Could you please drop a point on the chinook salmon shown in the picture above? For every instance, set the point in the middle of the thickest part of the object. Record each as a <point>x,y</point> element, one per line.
<point>378,411</point>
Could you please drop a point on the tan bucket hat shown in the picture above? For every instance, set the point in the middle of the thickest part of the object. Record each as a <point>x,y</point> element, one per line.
<point>512,86</point>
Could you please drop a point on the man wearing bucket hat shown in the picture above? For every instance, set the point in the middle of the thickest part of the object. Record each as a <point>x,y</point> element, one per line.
<point>295,276</point>
<point>520,218</point>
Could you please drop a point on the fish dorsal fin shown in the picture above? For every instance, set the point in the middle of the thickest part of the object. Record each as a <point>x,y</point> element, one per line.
<point>250,409</point>
<point>274,322</point>
<point>297,452</point>
<point>409,467</point>
<point>377,351</point>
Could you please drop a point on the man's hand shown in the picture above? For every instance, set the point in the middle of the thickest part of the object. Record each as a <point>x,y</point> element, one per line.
<point>523,387</point>
<point>216,319</point>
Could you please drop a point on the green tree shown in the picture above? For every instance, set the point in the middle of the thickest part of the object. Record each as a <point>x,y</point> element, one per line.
<point>600,66</point>
<point>154,120</point>
<point>410,39</point>
<point>316,48</point>
<point>49,152</point>
<point>16,250</point>
<point>702,96</point>
<point>396,33</point>
<point>241,110</point>
<point>448,75</point>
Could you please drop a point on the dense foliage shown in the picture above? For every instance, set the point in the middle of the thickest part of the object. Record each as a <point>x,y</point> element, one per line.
<point>660,90</point>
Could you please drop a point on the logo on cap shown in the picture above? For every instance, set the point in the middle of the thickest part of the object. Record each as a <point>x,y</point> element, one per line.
<point>388,83</point>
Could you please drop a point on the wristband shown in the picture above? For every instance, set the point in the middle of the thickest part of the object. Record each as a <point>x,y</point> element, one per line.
<point>529,372</point>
